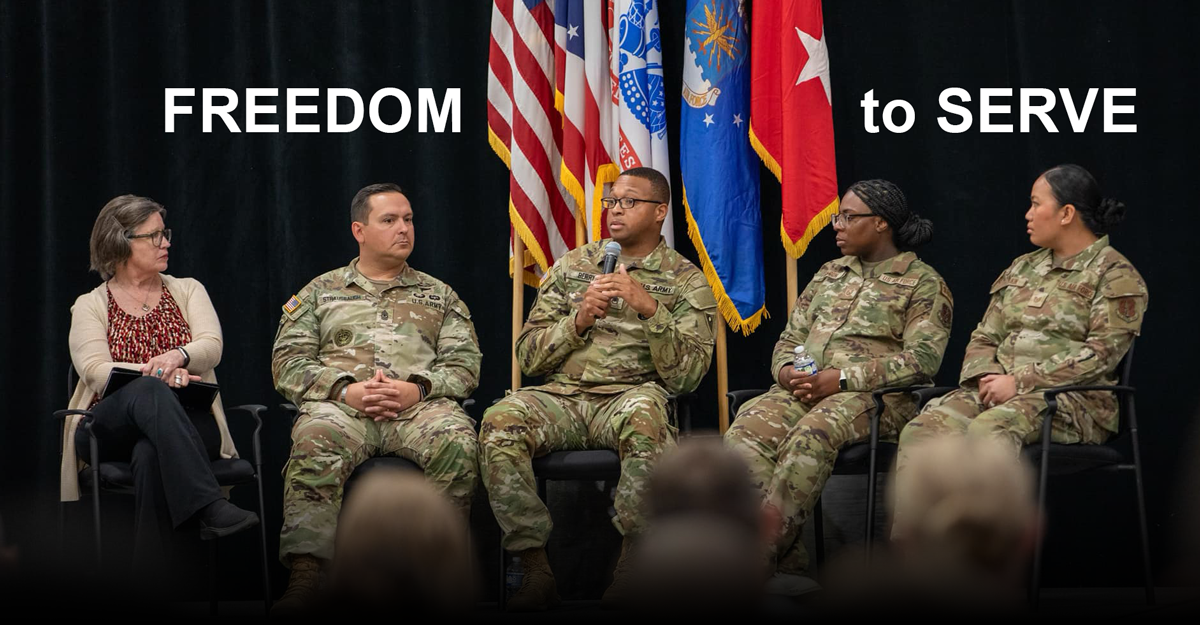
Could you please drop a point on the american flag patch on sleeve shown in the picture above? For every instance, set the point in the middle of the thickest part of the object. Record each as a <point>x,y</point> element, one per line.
<point>291,305</point>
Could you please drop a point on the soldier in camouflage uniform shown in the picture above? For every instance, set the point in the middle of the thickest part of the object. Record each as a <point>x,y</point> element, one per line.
<point>877,317</point>
<point>376,356</point>
<point>1063,315</point>
<point>610,347</point>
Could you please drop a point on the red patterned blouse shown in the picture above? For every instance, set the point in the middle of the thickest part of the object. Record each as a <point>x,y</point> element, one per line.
<point>138,339</point>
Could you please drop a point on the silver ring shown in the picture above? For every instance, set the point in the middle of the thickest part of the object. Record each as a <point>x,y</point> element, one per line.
<point>159,373</point>
<point>178,380</point>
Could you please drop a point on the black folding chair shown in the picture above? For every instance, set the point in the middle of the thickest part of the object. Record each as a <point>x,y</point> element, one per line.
<point>855,459</point>
<point>591,464</point>
<point>1058,459</point>
<point>117,478</point>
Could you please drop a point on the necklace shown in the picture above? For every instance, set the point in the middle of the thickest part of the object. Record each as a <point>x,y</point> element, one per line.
<point>145,300</point>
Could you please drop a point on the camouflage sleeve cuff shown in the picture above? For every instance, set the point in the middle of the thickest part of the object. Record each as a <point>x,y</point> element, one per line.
<point>856,378</point>
<point>779,364</point>
<point>430,381</point>
<point>321,387</point>
<point>659,322</point>
<point>975,368</point>
<point>335,391</point>
<point>1026,378</point>
<point>563,332</point>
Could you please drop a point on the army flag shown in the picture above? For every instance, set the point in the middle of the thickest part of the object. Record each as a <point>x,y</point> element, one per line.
<point>720,170</point>
<point>636,65</point>
<point>791,118</point>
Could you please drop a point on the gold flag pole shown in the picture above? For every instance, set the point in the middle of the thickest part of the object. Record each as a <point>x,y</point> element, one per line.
<point>518,304</point>
<point>792,284</point>
<point>722,376</point>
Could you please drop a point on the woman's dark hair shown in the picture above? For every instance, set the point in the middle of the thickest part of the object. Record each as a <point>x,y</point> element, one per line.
<point>886,200</point>
<point>1072,184</point>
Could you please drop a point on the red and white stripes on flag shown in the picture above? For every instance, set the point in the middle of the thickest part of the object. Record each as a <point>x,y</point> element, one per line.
<point>586,97</point>
<point>525,129</point>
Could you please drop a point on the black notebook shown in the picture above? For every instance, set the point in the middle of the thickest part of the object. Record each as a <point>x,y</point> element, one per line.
<point>198,396</point>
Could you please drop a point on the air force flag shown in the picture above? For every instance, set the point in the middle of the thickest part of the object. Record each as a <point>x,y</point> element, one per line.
<point>720,169</point>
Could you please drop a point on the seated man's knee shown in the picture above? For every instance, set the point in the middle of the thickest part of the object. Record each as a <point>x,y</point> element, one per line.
<point>315,438</point>
<point>459,444</point>
<point>504,423</point>
<point>642,421</point>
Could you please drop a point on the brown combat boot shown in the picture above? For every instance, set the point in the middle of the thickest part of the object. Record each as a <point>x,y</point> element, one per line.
<point>538,590</point>
<point>618,593</point>
<point>302,587</point>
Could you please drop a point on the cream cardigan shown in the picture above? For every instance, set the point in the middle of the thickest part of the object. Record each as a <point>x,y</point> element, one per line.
<point>90,355</point>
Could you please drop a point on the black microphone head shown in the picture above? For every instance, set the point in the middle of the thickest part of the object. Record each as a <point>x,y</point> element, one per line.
<point>611,252</point>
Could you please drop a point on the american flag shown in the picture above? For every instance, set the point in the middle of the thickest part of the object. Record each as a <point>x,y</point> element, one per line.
<point>526,130</point>
<point>588,101</point>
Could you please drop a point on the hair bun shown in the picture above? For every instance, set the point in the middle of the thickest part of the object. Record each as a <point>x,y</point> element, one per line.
<point>915,232</point>
<point>1110,212</point>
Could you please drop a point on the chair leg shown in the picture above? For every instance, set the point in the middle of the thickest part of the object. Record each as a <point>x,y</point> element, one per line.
<point>1145,534</point>
<point>262,538</point>
<point>62,514</point>
<point>503,573</point>
<point>96,518</point>
<point>212,577</point>
<point>1035,578</point>
<point>870,529</point>
<point>819,532</point>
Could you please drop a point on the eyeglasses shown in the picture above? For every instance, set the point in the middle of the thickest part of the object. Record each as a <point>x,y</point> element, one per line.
<point>626,202</point>
<point>156,237</point>
<point>845,219</point>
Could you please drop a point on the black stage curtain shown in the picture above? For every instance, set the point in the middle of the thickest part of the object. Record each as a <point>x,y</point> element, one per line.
<point>258,215</point>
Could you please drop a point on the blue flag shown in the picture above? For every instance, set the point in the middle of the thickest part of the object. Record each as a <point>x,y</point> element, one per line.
<point>720,168</point>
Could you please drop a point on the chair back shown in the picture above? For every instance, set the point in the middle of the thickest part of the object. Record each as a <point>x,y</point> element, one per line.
<point>738,398</point>
<point>1125,400</point>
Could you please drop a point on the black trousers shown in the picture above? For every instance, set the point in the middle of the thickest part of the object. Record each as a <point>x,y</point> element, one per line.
<point>169,451</point>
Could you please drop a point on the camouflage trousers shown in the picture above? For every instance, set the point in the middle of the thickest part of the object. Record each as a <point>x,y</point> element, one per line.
<point>327,445</point>
<point>791,446</point>
<point>1015,422</point>
<point>532,423</point>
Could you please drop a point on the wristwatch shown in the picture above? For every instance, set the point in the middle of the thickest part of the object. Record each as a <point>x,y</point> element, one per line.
<point>842,379</point>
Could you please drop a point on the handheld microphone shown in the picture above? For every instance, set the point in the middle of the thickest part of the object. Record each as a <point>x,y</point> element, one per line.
<point>611,252</point>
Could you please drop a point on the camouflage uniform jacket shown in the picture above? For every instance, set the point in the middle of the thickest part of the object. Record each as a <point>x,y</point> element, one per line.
<point>345,326</point>
<point>673,346</point>
<point>889,330</point>
<point>1055,322</point>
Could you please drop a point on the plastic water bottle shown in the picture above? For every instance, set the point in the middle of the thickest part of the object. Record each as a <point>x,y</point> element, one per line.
<point>803,362</point>
<point>513,576</point>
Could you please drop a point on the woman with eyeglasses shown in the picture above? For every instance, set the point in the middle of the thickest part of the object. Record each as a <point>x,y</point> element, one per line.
<point>165,327</point>
<point>1062,315</point>
<point>874,318</point>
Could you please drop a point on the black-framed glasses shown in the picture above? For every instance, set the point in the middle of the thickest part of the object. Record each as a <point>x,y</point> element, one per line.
<point>626,202</point>
<point>156,237</point>
<point>845,219</point>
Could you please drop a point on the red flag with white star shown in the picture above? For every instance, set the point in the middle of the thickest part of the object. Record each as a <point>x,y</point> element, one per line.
<point>791,117</point>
